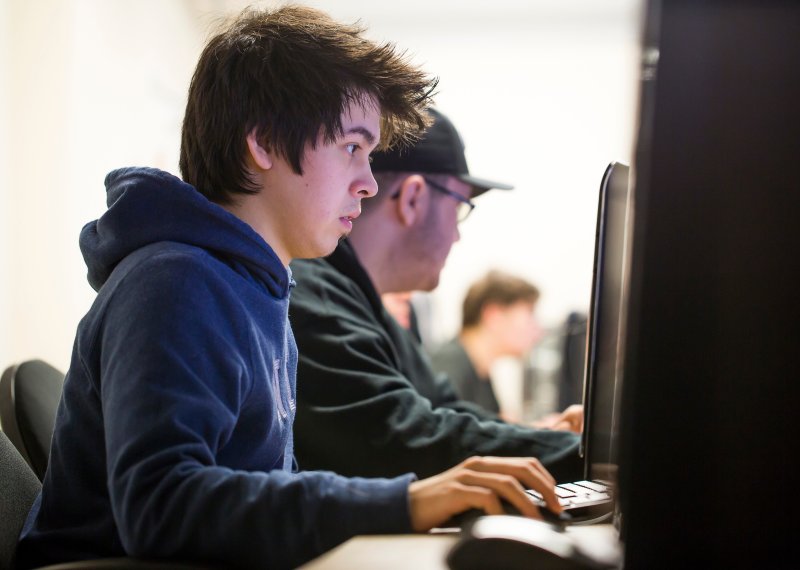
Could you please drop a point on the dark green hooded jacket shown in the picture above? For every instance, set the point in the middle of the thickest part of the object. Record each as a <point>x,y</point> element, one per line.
<point>368,401</point>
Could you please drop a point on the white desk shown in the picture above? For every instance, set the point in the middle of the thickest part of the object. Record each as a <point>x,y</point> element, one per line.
<point>388,552</point>
<point>428,551</point>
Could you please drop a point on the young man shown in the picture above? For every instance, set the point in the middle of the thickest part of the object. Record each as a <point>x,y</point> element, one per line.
<point>496,321</point>
<point>369,403</point>
<point>174,436</point>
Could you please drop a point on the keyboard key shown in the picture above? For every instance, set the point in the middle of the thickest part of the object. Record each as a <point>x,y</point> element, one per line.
<point>590,498</point>
<point>593,485</point>
<point>573,488</point>
<point>539,500</point>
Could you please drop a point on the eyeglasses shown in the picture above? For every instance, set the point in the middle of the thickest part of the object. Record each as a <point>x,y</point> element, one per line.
<point>465,206</point>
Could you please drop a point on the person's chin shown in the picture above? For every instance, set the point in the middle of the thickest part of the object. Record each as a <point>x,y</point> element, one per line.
<point>433,282</point>
<point>330,248</point>
<point>320,250</point>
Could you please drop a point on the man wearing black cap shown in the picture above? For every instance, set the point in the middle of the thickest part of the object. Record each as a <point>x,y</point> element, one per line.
<point>368,401</point>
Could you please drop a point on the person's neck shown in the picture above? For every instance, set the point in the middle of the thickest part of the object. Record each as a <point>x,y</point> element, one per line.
<point>248,209</point>
<point>479,346</point>
<point>375,253</point>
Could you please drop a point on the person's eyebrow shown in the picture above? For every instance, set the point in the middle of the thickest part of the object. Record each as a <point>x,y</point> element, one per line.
<point>364,132</point>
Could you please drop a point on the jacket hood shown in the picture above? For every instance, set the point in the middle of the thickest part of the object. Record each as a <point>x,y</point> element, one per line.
<point>146,205</point>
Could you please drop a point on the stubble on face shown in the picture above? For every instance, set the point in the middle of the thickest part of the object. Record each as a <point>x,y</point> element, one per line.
<point>432,241</point>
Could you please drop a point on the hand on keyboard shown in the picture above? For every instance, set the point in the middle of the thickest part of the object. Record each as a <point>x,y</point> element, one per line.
<point>570,419</point>
<point>481,483</point>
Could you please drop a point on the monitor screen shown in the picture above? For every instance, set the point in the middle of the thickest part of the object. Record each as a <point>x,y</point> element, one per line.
<point>602,373</point>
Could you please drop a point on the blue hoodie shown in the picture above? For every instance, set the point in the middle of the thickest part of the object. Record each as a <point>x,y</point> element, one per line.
<point>174,435</point>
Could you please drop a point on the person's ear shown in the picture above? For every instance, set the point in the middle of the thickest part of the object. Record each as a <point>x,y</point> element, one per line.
<point>491,313</point>
<point>261,156</point>
<point>411,200</point>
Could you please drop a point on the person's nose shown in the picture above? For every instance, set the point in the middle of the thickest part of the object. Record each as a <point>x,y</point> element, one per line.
<point>366,186</point>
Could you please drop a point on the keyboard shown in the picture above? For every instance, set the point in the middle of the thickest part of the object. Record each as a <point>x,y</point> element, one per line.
<point>581,500</point>
<point>579,497</point>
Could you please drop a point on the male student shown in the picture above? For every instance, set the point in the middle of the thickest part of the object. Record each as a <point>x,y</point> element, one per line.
<point>497,320</point>
<point>174,436</point>
<point>369,402</point>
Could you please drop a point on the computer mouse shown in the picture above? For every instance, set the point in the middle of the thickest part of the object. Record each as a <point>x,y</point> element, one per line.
<point>517,543</point>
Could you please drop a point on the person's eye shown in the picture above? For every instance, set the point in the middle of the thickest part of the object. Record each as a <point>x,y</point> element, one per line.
<point>351,148</point>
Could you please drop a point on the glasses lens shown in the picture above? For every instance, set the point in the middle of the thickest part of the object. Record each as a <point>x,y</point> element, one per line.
<point>464,211</point>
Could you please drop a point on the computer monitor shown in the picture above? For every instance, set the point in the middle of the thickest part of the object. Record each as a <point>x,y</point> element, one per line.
<point>602,371</point>
<point>710,395</point>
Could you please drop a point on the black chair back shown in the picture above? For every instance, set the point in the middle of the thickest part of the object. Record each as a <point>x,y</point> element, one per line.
<point>18,489</point>
<point>29,396</point>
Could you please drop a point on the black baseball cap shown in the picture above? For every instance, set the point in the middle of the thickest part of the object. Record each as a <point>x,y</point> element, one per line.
<point>439,151</point>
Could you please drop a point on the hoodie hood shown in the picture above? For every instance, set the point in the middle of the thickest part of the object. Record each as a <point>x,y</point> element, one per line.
<point>147,205</point>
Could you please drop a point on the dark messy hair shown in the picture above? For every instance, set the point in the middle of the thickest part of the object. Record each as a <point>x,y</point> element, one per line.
<point>495,288</point>
<point>290,73</point>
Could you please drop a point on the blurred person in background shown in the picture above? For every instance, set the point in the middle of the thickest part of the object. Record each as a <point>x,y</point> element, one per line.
<point>497,321</point>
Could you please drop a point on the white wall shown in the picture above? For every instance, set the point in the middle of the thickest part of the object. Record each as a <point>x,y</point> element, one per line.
<point>5,233</point>
<point>94,85</point>
<point>543,93</point>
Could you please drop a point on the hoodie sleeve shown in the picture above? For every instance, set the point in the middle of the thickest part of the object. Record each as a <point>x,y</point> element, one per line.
<point>175,375</point>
